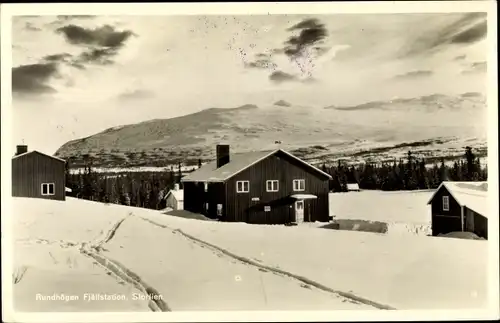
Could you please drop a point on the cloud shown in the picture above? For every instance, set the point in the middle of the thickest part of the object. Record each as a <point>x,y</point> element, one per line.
<point>136,94</point>
<point>414,75</point>
<point>470,35</point>
<point>282,103</point>
<point>262,55</point>
<point>469,28</point>
<point>460,57</point>
<point>280,77</point>
<point>263,63</point>
<point>57,57</point>
<point>29,26</point>
<point>99,56</point>
<point>311,32</point>
<point>105,36</point>
<point>477,67</point>
<point>33,78</point>
<point>69,17</point>
<point>309,80</point>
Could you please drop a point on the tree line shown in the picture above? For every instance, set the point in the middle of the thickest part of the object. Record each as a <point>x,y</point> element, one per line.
<point>139,189</point>
<point>410,173</point>
<point>148,189</point>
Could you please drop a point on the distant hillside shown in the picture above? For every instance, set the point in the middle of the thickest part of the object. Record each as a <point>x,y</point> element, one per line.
<point>432,126</point>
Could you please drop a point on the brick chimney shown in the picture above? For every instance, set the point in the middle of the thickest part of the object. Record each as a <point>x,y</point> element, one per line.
<point>222,155</point>
<point>21,149</point>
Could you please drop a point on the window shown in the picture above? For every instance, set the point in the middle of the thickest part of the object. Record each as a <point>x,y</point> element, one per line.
<point>219,209</point>
<point>242,186</point>
<point>206,186</point>
<point>272,186</point>
<point>267,209</point>
<point>446,203</point>
<point>299,185</point>
<point>206,206</point>
<point>48,189</point>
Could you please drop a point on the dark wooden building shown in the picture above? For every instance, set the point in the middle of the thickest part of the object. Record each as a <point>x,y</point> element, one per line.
<point>38,175</point>
<point>460,207</point>
<point>265,187</point>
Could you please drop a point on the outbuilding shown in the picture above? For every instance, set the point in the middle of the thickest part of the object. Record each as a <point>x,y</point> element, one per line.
<point>353,187</point>
<point>37,175</point>
<point>460,207</point>
<point>175,198</point>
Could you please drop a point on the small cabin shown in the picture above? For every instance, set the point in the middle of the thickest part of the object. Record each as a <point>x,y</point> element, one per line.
<point>38,175</point>
<point>353,187</point>
<point>175,198</point>
<point>460,207</point>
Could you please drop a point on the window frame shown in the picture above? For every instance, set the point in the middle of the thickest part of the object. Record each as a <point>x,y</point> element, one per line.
<point>446,206</point>
<point>242,187</point>
<point>48,185</point>
<point>296,188</point>
<point>273,181</point>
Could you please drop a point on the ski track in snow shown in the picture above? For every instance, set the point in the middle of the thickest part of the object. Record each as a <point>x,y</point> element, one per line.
<point>92,250</point>
<point>280,272</point>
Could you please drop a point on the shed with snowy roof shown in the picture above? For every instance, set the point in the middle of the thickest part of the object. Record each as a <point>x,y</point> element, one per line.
<point>35,174</point>
<point>460,207</point>
<point>175,198</point>
<point>260,187</point>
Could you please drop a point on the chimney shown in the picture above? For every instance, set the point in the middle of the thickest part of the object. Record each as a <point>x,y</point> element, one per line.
<point>222,155</point>
<point>176,187</point>
<point>21,149</point>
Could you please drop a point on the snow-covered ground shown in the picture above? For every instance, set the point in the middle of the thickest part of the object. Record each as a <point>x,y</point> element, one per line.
<point>403,211</point>
<point>206,265</point>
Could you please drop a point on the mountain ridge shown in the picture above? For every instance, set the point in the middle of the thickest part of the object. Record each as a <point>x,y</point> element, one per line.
<point>444,122</point>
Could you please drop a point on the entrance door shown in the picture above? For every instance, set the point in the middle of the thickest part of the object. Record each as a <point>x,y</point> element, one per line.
<point>299,211</point>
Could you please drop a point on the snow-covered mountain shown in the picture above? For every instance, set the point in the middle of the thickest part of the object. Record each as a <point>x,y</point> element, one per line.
<point>432,126</point>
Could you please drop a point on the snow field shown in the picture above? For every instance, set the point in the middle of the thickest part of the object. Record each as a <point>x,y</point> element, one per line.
<point>50,269</point>
<point>191,277</point>
<point>405,272</point>
<point>402,271</point>
<point>403,212</point>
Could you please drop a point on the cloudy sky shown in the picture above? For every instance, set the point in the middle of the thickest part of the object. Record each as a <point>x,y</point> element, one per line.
<point>73,76</point>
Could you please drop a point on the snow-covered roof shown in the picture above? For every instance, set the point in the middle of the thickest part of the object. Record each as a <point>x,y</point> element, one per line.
<point>352,186</point>
<point>35,151</point>
<point>178,194</point>
<point>473,195</point>
<point>237,163</point>
<point>303,196</point>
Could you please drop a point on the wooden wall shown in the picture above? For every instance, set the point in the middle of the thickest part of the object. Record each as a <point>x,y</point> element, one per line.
<point>476,223</point>
<point>31,170</point>
<point>241,208</point>
<point>445,221</point>
<point>194,197</point>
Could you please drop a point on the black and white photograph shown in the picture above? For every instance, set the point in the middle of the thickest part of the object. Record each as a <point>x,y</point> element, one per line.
<point>285,158</point>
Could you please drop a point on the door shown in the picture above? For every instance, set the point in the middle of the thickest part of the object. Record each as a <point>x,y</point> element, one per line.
<point>299,211</point>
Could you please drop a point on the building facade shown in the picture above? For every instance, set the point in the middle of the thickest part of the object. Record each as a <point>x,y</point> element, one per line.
<point>460,207</point>
<point>38,175</point>
<point>272,187</point>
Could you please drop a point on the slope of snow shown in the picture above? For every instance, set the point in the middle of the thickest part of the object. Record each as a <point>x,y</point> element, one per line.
<point>413,272</point>
<point>48,236</point>
<point>46,257</point>
<point>405,272</point>
<point>190,277</point>
<point>403,211</point>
